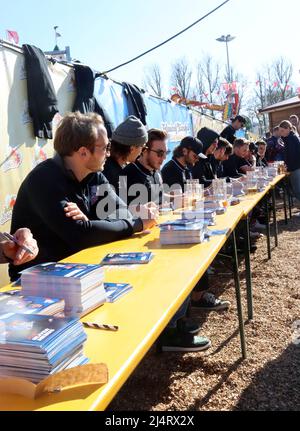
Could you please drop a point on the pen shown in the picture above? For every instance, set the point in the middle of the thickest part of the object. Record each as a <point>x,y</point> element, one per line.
<point>98,326</point>
<point>8,236</point>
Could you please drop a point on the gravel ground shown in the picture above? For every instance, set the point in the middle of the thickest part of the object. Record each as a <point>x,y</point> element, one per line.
<point>218,379</point>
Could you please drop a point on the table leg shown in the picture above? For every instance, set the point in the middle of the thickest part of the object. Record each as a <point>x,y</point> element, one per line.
<point>238,296</point>
<point>275,226</point>
<point>248,268</point>
<point>268,226</point>
<point>284,203</point>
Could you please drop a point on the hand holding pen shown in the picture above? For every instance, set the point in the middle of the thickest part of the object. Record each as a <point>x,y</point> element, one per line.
<point>18,248</point>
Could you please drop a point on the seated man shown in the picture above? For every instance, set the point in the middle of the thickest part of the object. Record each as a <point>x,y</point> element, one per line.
<point>237,165</point>
<point>261,154</point>
<point>73,175</point>
<point>222,153</point>
<point>185,155</point>
<point>15,252</point>
<point>203,170</point>
<point>237,123</point>
<point>146,171</point>
<point>127,143</point>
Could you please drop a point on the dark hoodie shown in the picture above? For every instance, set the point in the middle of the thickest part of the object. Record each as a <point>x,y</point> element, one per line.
<point>203,170</point>
<point>292,152</point>
<point>40,206</point>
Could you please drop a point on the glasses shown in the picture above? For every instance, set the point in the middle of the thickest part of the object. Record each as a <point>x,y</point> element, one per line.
<point>107,147</point>
<point>160,153</point>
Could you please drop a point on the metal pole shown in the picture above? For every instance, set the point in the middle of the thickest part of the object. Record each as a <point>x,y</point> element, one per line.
<point>228,65</point>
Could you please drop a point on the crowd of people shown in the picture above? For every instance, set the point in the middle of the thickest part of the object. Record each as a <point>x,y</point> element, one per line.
<point>95,190</point>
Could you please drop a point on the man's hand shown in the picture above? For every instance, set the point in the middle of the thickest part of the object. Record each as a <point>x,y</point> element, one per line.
<point>149,214</point>
<point>15,252</point>
<point>72,210</point>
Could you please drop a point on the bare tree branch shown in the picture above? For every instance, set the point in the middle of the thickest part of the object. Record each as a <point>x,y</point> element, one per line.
<point>153,80</point>
<point>181,77</point>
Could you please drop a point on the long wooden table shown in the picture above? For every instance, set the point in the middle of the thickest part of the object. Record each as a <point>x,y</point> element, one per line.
<point>159,288</point>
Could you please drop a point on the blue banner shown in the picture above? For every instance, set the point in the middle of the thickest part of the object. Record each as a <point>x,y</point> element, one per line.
<point>174,119</point>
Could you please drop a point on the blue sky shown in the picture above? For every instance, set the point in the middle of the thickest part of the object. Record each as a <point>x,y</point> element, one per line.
<point>105,33</point>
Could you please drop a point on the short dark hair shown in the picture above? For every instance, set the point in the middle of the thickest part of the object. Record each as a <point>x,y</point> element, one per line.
<point>178,151</point>
<point>119,150</point>
<point>223,143</point>
<point>156,135</point>
<point>77,130</point>
<point>240,142</point>
<point>240,119</point>
<point>275,129</point>
<point>261,142</point>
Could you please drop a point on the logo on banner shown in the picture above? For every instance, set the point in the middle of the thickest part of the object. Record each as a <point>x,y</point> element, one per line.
<point>13,160</point>
<point>39,156</point>
<point>176,131</point>
<point>6,215</point>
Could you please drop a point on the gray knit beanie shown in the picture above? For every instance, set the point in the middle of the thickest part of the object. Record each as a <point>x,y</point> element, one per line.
<point>131,132</point>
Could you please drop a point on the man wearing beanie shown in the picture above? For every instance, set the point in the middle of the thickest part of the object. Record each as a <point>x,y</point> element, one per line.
<point>203,170</point>
<point>185,155</point>
<point>127,143</point>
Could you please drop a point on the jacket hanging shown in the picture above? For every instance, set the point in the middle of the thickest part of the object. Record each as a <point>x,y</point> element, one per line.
<point>42,101</point>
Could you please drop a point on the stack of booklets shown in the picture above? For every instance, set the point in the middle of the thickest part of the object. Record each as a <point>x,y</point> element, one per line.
<point>80,285</point>
<point>14,302</point>
<point>215,205</point>
<point>115,291</point>
<point>184,231</point>
<point>33,346</point>
<point>208,216</point>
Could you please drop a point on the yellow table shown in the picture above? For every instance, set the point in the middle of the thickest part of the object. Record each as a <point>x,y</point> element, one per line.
<point>159,288</point>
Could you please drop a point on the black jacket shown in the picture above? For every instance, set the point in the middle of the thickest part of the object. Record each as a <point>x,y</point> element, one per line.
<point>40,207</point>
<point>292,152</point>
<point>174,172</point>
<point>85,101</point>
<point>136,174</point>
<point>231,167</point>
<point>135,101</point>
<point>217,167</point>
<point>42,101</point>
<point>203,171</point>
<point>229,134</point>
<point>261,162</point>
<point>112,172</point>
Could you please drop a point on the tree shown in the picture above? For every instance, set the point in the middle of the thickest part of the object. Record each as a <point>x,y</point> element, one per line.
<point>208,79</point>
<point>153,80</point>
<point>274,83</point>
<point>181,77</point>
